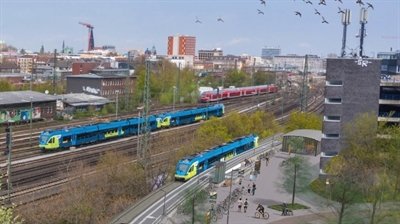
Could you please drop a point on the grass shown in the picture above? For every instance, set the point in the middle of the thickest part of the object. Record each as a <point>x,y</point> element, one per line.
<point>296,206</point>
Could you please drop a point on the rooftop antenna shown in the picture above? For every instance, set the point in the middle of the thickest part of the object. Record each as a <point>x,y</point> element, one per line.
<point>363,21</point>
<point>345,22</point>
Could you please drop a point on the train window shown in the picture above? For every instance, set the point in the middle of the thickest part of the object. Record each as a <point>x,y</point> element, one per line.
<point>191,169</point>
<point>67,139</point>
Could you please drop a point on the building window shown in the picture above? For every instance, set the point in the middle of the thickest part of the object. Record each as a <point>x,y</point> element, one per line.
<point>332,136</point>
<point>334,83</point>
<point>333,100</point>
<point>332,118</point>
<point>328,154</point>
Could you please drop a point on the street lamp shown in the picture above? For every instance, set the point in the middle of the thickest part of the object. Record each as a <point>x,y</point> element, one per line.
<point>173,100</point>
<point>116,105</point>
<point>230,191</point>
<point>328,186</point>
<point>30,123</point>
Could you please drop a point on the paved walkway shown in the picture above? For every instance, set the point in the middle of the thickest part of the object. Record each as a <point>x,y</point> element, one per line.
<point>269,192</point>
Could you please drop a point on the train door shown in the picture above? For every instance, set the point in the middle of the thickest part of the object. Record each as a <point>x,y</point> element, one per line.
<point>192,171</point>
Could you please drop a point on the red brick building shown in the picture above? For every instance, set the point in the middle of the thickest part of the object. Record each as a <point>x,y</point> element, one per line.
<point>181,45</point>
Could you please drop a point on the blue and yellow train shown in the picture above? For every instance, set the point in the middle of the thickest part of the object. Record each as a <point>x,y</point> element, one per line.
<point>190,166</point>
<point>89,134</point>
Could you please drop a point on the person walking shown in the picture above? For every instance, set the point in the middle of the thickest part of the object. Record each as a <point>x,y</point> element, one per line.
<point>253,191</point>
<point>240,204</point>
<point>246,203</point>
<point>248,188</point>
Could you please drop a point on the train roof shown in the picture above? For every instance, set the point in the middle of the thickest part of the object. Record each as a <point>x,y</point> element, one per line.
<point>194,110</point>
<point>209,153</point>
<point>236,89</point>
<point>72,130</point>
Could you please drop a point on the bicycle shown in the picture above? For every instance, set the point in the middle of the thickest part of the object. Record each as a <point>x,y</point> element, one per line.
<point>288,212</point>
<point>259,215</point>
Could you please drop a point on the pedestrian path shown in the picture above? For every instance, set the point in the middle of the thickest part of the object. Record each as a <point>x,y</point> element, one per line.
<point>268,192</point>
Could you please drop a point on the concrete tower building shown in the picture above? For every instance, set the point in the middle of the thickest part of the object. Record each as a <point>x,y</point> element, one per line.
<point>352,88</point>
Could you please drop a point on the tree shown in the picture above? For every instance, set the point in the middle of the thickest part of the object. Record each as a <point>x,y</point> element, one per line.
<point>296,175</point>
<point>295,143</point>
<point>236,78</point>
<point>5,85</point>
<point>363,170</point>
<point>299,120</point>
<point>22,51</point>
<point>262,78</point>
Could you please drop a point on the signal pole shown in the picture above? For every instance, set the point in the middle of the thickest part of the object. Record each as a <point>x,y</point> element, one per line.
<point>54,71</point>
<point>8,153</point>
<point>303,100</point>
<point>145,128</point>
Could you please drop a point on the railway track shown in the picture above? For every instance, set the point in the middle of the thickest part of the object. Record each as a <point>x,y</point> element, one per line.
<point>36,174</point>
<point>25,144</point>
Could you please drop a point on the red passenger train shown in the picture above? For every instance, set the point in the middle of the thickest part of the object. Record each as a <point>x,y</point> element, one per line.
<point>229,93</point>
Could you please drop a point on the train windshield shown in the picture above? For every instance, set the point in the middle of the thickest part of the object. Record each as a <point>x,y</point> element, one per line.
<point>182,167</point>
<point>43,139</point>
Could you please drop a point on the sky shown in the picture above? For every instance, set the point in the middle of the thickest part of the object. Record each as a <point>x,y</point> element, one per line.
<point>140,24</point>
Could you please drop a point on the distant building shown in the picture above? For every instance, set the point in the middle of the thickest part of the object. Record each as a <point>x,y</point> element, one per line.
<point>296,63</point>
<point>390,62</point>
<point>69,103</point>
<point>83,67</point>
<point>16,106</point>
<point>181,45</point>
<point>107,86</point>
<point>25,64</point>
<point>9,67</point>
<point>208,54</point>
<point>270,52</point>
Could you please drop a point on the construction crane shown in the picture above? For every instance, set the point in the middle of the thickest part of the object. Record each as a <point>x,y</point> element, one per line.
<point>90,36</point>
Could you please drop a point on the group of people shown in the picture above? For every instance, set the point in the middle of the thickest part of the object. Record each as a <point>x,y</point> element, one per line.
<point>244,204</point>
<point>251,189</point>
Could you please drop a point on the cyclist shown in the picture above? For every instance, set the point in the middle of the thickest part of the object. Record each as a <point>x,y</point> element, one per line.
<point>260,209</point>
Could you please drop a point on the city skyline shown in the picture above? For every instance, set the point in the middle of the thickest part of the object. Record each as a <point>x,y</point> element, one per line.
<point>235,26</point>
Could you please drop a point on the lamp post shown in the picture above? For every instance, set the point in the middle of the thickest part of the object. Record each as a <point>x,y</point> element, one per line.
<point>30,122</point>
<point>229,201</point>
<point>328,186</point>
<point>116,105</point>
<point>173,99</point>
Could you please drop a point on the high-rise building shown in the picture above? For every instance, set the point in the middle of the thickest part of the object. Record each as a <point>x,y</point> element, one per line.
<point>181,45</point>
<point>270,52</point>
<point>352,88</point>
